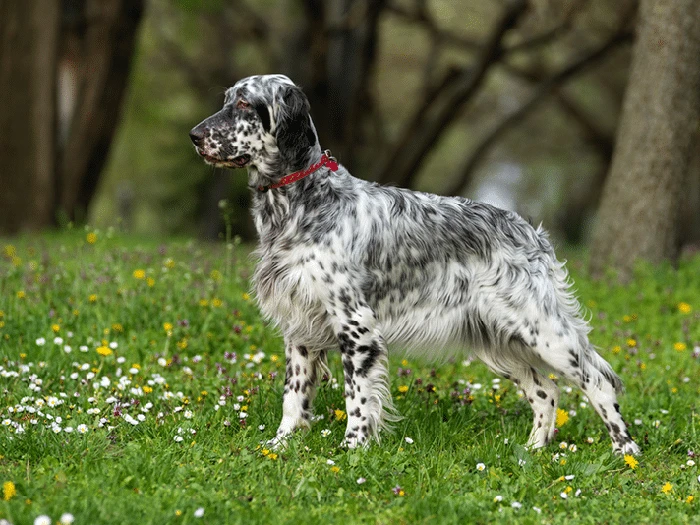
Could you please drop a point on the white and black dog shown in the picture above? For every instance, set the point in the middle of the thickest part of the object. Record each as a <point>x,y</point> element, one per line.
<point>350,263</point>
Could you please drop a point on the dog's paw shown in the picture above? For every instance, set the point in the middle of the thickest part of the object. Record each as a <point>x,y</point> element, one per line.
<point>277,443</point>
<point>350,443</point>
<point>629,448</point>
<point>353,441</point>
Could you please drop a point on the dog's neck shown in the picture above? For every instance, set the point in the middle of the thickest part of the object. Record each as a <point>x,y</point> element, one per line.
<point>275,164</point>
<point>271,209</point>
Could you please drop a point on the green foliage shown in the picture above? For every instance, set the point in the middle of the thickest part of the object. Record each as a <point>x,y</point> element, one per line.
<point>169,316</point>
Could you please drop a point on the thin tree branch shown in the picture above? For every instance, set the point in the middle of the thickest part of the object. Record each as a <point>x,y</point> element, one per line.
<point>403,162</point>
<point>549,35</point>
<point>593,133</point>
<point>542,92</point>
<point>430,98</point>
<point>422,16</point>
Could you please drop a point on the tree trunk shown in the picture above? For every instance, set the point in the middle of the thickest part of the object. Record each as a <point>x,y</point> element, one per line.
<point>639,217</point>
<point>28,55</point>
<point>105,63</point>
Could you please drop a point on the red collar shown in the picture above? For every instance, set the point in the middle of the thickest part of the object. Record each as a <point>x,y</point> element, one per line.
<point>327,160</point>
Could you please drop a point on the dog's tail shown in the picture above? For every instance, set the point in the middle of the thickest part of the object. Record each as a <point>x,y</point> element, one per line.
<point>590,361</point>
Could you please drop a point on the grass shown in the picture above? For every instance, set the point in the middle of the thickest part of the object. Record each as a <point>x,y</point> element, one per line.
<point>156,358</point>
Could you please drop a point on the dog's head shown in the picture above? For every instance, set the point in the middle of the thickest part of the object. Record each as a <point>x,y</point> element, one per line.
<point>264,123</point>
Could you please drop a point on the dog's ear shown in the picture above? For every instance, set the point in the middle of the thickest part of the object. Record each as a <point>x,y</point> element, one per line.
<point>264,113</point>
<point>294,132</point>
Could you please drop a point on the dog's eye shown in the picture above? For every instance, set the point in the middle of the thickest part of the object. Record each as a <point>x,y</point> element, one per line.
<point>242,104</point>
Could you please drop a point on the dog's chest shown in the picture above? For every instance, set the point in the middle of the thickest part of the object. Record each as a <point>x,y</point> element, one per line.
<point>290,288</point>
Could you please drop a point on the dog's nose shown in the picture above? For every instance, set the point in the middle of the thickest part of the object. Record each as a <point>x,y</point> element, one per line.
<point>197,136</point>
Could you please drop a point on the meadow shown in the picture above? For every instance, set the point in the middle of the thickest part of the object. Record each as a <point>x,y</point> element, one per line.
<point>138,384</point>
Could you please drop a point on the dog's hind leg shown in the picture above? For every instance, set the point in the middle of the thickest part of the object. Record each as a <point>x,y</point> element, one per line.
<point>299,391</point>
<point>364,354</point>
<point>540,391</point>
<point>567,351</point>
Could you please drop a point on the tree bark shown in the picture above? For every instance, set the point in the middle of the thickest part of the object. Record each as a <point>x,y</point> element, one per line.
<point>29,34</point>
<point>639,217</point>
<point>105,65</point>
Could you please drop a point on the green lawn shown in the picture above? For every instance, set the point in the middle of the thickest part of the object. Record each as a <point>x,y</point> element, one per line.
<point>137,382</point>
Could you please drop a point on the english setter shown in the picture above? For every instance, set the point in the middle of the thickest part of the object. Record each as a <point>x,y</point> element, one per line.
<point>351,263</point>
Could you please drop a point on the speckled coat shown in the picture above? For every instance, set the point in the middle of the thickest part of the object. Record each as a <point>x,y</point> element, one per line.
<point>349,264</point>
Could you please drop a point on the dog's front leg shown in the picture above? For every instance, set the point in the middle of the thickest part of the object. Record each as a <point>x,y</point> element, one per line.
<point>299,391</point>
<point>364,355</point>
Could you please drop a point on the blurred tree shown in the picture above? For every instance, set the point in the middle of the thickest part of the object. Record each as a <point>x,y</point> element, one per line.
<point>29,35</point>
<point>63,71</point>
<point>99,40</point>
<point>642,201</point>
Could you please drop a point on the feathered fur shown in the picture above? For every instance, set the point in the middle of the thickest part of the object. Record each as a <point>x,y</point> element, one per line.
<point>349,263</point>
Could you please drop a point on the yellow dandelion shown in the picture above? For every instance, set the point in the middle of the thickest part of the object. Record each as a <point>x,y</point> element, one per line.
<point>104,350</point>
<point>178,513</point>
<point>643,366</point>
<point>147,389</point>
<point>216,302</point>
<point>272,456</point>
<point>689,499</point>
<point>667,488</point>
<point>616,349</point>
<point>139,274</point>
<point>684,308</point>
<point>21,294</point>
<point>631,343</point>
<point>150,282</point>
<point>92,298</point>
<point>679,347</point>
<point>246,297</point>
<point>10,251</point>
<point>626,318</point>
<point>340,415</point>
<point>56,328</point>
<point>274,358</point>
<point>8,490</point>
<point>117,327</point>
<point>631,461</point>
<point>16,261</point>
<point>335,469</point>
<point>403,389</point>
<point>91,238</point>
<point>215,275</point>
<point>562,417</point>
<point>203,303</point>
<point>167,326</point>
<point>182,344</point>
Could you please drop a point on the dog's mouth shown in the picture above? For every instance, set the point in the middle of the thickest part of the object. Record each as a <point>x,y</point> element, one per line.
<point>237,162</point>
